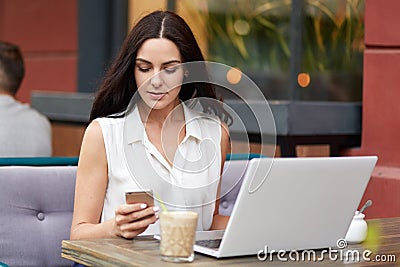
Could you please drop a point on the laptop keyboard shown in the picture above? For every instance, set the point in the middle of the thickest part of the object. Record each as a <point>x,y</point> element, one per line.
<point>209,243</point>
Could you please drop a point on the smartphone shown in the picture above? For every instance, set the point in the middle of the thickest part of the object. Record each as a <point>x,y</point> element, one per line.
<point>140,196</point>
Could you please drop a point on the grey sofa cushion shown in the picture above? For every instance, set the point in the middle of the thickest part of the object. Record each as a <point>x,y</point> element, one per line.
<point>36,205</point>
<point>232,178</point>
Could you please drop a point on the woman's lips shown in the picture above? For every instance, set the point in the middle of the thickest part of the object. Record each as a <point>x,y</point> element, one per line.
<point>156,96</point>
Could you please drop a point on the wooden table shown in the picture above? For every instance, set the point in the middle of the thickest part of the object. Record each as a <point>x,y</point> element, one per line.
<point>144,251</point>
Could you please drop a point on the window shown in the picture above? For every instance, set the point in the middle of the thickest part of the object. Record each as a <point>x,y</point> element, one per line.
<point>302,50</point>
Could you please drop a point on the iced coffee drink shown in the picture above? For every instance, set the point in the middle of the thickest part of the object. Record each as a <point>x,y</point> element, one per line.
<point>178,232</point>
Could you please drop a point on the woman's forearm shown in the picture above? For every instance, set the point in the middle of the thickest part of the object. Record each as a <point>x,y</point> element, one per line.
<point>219,222</point>
<point>89,230</point>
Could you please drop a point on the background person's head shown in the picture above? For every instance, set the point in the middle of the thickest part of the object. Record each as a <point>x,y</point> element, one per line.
<point>119,84</point>
<point>12,68</point>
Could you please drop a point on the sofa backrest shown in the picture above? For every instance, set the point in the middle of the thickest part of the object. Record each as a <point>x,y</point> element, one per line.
<point>36,205</point>
<point>232,178</point>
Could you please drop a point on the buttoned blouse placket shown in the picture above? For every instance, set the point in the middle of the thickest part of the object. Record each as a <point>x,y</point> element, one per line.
<point>175,174</point>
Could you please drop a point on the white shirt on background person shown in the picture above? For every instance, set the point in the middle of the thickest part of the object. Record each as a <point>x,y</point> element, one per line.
<point>24,132</point>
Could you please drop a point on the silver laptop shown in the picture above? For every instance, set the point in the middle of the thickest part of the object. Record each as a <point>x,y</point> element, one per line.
<point>291,204</point>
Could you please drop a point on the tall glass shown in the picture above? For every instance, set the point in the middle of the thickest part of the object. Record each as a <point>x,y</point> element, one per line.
<point>178,233</point>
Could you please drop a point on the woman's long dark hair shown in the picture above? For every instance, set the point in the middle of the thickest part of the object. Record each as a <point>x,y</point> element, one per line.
<point>119,84</point>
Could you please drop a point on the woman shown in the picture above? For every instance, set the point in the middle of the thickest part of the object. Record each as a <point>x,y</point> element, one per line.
<point>160,42</point>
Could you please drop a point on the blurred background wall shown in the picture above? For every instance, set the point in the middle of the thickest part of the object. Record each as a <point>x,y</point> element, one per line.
<point>47,33</point>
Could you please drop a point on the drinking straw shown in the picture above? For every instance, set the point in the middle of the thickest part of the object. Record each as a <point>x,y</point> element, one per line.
<point>163,208</point>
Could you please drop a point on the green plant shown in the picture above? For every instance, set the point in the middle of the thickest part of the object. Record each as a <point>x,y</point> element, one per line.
<point>333,35</point>
<point>254,34</point>
<point>250,34</point>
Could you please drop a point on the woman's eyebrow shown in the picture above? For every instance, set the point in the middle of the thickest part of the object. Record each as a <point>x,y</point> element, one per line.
<point>171,61</point>
<point>163,64</point>
<point>143,60</point>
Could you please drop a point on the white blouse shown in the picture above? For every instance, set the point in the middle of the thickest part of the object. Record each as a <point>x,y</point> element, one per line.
<point>135,163</point>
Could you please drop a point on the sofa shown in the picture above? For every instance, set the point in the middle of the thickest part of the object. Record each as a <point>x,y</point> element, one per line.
<point>36,205</point>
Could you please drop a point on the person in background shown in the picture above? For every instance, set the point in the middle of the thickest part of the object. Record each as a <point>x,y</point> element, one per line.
<point>24,132</point>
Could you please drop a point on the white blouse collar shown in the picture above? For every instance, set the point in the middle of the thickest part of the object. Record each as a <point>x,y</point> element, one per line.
<point>137,132</point>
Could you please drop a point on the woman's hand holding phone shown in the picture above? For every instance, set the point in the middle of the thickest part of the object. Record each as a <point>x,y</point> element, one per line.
<point>133,218</point>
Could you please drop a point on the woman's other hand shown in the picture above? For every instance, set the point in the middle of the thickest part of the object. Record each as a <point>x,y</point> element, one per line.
<point>133,219</point>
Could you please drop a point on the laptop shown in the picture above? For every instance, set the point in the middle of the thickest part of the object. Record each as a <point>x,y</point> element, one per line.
<point>291,204</point>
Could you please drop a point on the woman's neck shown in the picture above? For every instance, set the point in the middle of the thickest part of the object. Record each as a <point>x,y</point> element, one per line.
<point>171,112</point>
